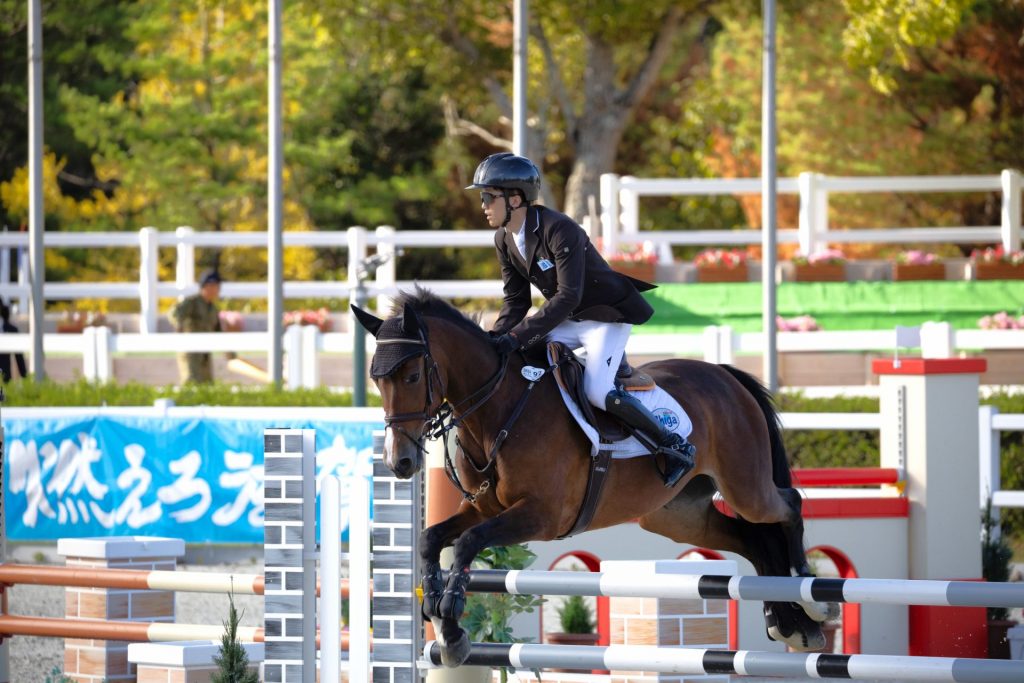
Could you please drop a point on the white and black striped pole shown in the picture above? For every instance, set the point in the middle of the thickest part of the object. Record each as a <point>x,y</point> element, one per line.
<point>764,588</point>
<point>696,661</point>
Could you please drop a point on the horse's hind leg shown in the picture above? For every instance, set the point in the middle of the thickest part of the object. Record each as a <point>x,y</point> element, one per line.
<point>691,517</point>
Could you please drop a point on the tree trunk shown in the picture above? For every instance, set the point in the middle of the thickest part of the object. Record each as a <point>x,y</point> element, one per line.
<point>598,129</point>
<point>595,154</point>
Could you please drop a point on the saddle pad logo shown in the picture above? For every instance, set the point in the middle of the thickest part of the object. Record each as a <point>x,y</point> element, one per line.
<point>531,373</point>
<point>668,419</point>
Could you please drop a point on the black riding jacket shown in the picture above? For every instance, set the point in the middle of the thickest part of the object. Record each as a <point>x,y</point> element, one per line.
<point>569,272</point>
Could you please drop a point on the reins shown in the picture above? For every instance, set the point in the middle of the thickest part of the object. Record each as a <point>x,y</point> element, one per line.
<point>440,422</point>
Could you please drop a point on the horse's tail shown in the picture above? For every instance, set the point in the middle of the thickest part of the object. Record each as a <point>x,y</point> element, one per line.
<point>780,463</point>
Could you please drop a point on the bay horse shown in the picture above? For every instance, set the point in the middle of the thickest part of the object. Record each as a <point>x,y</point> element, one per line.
<point>523,475</point>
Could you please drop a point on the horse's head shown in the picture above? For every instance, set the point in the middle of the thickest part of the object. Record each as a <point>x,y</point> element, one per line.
<point>410,388</point>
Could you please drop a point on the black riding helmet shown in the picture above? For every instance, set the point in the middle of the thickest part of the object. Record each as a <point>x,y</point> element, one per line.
<point>508,172</point>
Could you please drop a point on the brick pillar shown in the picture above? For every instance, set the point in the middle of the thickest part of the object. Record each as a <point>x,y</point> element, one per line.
<point>94,661</point>
<point>668,622</point>
<point>289,565</point>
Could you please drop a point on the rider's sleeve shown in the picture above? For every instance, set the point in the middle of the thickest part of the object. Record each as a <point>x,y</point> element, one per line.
<point>567,244</point>
<point>517,299</point>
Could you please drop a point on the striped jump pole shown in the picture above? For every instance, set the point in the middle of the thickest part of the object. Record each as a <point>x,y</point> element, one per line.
<point>695,661</point>
<point>770,588</point>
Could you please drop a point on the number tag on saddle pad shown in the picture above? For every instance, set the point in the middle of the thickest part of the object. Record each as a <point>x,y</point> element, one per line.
<point>531,373</point>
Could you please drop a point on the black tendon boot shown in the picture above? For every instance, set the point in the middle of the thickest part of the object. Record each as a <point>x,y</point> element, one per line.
<point>678,451</point>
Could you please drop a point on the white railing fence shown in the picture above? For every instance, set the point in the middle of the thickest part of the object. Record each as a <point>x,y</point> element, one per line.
<point>304,345</point>
<point>620,222</point>
<point>620,210</point>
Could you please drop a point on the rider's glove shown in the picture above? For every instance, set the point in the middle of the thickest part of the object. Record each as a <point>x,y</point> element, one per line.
<point>505,343</point>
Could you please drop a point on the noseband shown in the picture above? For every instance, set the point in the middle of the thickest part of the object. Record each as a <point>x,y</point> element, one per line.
<point>439,421</point>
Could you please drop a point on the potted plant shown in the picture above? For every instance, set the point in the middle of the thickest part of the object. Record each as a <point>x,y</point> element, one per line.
<point>721,265</point>
<point>915,264</point>
<point>488,616</point>
<point>1001,321</point>
<point>801,323</point>
<point>577,624</point>
<point>994,263</point>
<point>828,265</point>
<point>321,317</point>
<point>995,566</point>
<point>635,260</point>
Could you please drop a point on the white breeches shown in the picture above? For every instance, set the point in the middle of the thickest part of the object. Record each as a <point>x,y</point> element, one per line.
<point>604,343</point>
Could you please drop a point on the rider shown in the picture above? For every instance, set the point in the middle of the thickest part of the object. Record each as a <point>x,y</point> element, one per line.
<point>588,304</point>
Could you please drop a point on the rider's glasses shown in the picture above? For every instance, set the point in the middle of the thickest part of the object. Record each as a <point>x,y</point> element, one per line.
<point>487,197</point>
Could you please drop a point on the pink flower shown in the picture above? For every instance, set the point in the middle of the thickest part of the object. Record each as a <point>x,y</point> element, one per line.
<point>996,255</point>
<point>803,323</point>
<point>726,258</point>
<point>915,257</point>
<point>830,256</point>
<point>1001,321</point>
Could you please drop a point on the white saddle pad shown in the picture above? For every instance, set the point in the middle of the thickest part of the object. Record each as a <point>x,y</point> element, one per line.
<point>656,400</point>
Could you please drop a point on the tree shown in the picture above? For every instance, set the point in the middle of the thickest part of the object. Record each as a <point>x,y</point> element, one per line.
<point>951,111</point>
<point>82,44</point>
<point>589,73</point>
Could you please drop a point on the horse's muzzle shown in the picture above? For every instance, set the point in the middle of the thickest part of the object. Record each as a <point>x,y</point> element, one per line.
<point>404,466</point>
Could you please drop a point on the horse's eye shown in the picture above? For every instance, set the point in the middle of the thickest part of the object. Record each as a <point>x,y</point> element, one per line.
<point>413,378</point>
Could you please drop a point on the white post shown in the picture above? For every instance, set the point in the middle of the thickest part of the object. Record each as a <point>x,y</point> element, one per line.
<point>149,269</point>
<point>630,201</point>
<point>293,355</point>
<point>89,371</point>
<point>330,580</point>
<point>813,228</point>
<point>310,356</point>
<point>23,266</point>
<point>937,340</point>
<point>387,272</point>
<point>940,422</point>
<point>989,478</point>
<point>185,267</point>
<point>104,359</point>
<point>609,211</point>
<point>712,348</point>
<point>359,576</point>
<point>1010,216</point>
<point>726,343</point>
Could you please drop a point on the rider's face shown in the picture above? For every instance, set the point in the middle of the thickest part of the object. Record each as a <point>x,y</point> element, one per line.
<point>492,201</point>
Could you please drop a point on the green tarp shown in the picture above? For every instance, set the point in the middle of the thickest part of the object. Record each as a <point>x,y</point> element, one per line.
<point>687,308</point>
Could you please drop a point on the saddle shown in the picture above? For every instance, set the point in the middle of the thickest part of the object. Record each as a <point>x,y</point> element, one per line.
<point>569,375</point>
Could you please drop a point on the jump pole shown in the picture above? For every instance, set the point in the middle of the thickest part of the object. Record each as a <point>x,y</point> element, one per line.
<point>695,661</point>
<point>764,588</point>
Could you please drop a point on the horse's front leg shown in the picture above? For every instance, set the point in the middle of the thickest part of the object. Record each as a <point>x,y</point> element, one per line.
<point>432,541</point>
<point>519,523</point>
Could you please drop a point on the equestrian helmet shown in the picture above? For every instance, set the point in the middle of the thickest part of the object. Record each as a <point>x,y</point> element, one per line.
<point>508,171</point>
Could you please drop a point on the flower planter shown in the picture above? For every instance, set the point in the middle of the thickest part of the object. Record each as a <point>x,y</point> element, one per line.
<point>819,272</point>
<point>999,270</point>
<point>998,642</point>
<point>641,270</point>
<point>722,273</point>
<point>903,272</point>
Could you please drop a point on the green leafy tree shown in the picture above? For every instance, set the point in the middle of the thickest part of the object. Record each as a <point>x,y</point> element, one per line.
<point>957,103</point>
<point>590,71</point>
<point>83,43</point>
<point>232,661</point>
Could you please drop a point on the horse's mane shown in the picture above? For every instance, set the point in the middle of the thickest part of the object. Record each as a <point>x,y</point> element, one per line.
<point>426,303</point>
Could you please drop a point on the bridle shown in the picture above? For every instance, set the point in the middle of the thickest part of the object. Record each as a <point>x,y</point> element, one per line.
<point>440,420</point>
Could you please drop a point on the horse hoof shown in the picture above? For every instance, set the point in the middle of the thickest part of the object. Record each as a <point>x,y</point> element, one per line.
<point>821,611</point>
<point>454,653</point>
<point>813,640</point>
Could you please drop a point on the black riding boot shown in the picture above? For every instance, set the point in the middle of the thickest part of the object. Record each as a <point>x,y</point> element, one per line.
<point>678,451</point>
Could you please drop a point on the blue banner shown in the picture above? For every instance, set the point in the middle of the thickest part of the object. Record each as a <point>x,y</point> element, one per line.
<point>195,478</point>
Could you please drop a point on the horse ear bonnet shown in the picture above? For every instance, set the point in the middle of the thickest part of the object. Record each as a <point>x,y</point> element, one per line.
<point>402,341</point>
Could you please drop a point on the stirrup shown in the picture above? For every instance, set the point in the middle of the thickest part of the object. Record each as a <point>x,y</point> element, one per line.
<point>679,460</point>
